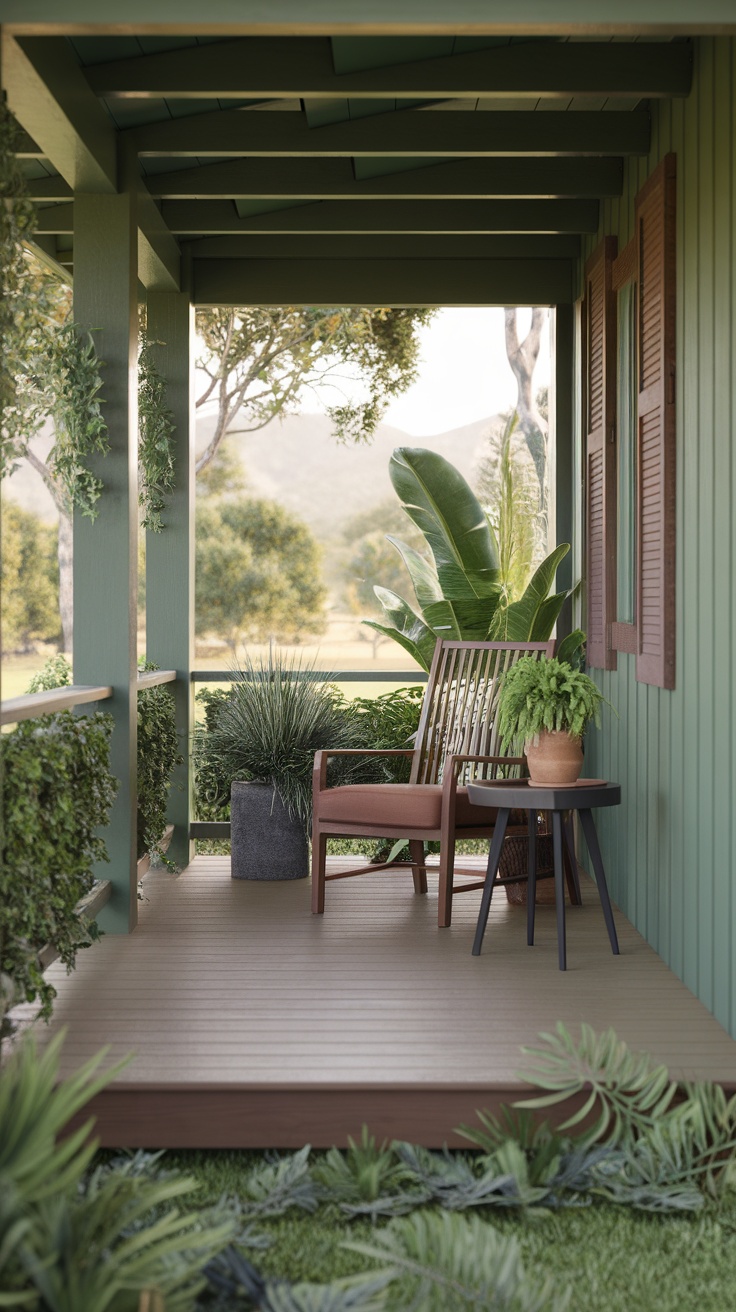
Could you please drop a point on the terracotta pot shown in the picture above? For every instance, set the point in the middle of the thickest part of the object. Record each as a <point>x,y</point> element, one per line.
<point>555,758</point>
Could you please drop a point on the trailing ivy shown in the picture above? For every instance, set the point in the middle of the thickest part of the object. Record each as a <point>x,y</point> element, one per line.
<point>48,366</point>
<point>158,754</point>
<point>57,794</point>
<point>69,372</point>
<point>17,310</point>
<point>155,433</point>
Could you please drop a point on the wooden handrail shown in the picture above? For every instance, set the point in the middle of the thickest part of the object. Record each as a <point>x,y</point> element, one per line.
<point>331,676</point>
<point>152,678</point>
<point>88,906</point>
<point>33,704</point>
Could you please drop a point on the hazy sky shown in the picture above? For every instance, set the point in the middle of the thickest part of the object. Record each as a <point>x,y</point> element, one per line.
<point>464,374</point>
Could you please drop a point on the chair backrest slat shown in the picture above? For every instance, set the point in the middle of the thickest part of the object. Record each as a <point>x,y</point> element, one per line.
<point>460,709</point>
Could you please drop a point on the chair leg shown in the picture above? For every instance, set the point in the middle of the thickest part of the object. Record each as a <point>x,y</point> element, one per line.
<point>319,861</point>
<point>447,862</point>
<point>419,871</point>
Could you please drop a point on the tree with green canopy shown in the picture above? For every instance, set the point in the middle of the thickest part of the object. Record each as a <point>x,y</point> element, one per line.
<point>262,361</point>
<point>258,573</point>
<point>29,579</point>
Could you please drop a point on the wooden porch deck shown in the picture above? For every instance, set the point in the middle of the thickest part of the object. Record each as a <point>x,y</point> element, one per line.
<point>256,1024</point>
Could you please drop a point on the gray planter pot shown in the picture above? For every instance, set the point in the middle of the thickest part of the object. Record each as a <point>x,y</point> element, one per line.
<point>266,842</point>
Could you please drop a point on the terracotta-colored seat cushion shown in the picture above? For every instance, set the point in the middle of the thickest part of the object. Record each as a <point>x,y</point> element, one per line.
<point>417,806</point>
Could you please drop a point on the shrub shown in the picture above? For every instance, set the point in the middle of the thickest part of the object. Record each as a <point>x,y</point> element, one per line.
<point>158,755</point>
<point>58,792</point>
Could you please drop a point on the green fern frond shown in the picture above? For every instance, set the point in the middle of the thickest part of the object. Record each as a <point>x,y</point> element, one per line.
<point>451,1180</point>
<point>367,1180</point>
<point>444,1263</point>
<point>623,1088</point>
<point>280,1185</point>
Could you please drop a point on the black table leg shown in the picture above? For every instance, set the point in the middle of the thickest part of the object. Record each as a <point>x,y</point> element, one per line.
<point>531,887</point>
<point>559,888</point>
<point>576,896</point>
<point>591,838</point>
<point>494,856</point>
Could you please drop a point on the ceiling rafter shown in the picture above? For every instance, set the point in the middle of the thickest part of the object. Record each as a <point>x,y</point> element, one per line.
<point>382,282</point>
<point>549,216</point>
<point>334,178</point>
<point>49,96</point>
<point>399,132</point>
<point>292,66</point>
<point>383,246</point>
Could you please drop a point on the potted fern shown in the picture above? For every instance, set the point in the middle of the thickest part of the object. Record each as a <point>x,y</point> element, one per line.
<point>546,706</point>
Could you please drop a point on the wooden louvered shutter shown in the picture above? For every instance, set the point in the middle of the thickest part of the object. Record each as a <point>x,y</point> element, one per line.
<point>600,453</point>
<point>655,236</point>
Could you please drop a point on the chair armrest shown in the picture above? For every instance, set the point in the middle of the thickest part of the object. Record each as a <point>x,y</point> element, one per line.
<point>321,758</point>
<point>449,779</point>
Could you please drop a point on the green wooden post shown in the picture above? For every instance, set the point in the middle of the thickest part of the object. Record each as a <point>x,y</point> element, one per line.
<point>170,554</point>
<point>562,334</point>
<point>105,552</point>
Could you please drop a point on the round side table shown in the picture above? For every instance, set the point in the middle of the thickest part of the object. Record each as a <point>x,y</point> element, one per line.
<point>514,794</point>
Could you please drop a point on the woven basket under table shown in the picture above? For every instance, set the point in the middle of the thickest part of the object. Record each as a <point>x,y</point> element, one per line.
<point>515,861</point>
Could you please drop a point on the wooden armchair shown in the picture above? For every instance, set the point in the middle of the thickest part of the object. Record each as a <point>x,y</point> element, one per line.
<point>457,740</point>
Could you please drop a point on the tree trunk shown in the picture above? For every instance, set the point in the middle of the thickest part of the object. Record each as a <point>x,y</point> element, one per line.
<point>523,358</point>
<point>66,591</point>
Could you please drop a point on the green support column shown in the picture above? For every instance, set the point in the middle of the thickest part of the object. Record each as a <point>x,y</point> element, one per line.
<point>105,553</point>
<point>170,554</point>
<point>561,335</point>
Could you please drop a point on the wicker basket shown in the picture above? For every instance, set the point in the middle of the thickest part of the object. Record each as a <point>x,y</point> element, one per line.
<point>515,861</point>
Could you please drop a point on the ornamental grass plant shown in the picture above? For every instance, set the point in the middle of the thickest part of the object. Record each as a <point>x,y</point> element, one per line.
<point>278,714</point>
<point>545,694</point>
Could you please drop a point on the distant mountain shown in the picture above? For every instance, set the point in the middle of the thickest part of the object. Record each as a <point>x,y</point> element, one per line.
<point>298,462</point>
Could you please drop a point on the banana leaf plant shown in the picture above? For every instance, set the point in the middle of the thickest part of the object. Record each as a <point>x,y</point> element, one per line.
<point>460,592</point>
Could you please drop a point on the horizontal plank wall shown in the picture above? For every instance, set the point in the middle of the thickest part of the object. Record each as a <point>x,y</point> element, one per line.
<point>669,851</point>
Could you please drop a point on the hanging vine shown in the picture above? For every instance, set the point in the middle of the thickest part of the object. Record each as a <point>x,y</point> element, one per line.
<point>70,374</point>
<point>155,438</point>
<point>48,367</point>
<point>18,313</point>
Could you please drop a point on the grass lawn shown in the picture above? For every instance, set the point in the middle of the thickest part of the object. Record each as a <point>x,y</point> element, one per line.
<point>614,1258</point>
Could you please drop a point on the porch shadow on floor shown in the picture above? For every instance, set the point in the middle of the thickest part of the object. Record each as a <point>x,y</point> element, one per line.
<point>255,1024</point>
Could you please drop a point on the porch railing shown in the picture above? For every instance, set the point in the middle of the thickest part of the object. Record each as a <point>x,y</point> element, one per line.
<point>220,829</point>
<point>33,705</point>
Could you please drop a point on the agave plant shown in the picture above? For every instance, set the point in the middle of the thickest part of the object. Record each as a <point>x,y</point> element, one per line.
<point>459,591</point>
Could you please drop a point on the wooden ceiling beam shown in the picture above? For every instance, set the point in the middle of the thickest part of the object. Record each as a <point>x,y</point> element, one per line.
<point>544,216</point>
<point>51,100</point>
<point>382,246</point>
<point>225,18</point>
<point>400,132</point>
<point>292,66</point>
<point>382,282</point>
<point>45,189</point>
<point>317,179</point>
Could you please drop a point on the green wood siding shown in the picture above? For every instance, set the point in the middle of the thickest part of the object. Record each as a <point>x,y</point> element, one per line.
<point>669,851</point>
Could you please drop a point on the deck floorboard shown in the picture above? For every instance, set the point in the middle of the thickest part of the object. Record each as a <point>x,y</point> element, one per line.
<point>254,1023</point>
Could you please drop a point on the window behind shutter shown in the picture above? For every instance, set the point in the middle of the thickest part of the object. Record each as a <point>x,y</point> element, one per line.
<point>600,453</point>
<point>655,234</point>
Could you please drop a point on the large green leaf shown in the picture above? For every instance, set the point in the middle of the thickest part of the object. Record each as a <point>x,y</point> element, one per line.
<point>547,616</point>
<point>405,627</point>
<point>421,571</point>
<point>571,648</point>
<point>518,621</point>
<point>439,501</point>
<point>469,619</point>
<point>408,644</point>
